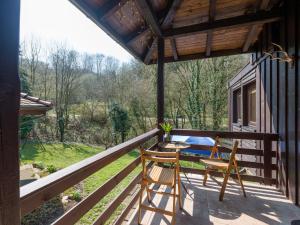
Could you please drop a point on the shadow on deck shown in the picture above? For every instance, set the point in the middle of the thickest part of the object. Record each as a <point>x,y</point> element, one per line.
<point>263,205</point>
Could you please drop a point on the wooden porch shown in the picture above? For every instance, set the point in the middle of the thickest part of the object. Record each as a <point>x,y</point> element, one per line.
<point>264,205</point>
<point>218,31</point>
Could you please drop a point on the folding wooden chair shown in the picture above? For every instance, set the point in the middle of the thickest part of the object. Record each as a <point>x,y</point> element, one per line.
<point>219,164</point>
<point>162,176</point>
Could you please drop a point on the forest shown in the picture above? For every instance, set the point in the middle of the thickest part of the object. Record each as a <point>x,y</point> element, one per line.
<point>98,100</point>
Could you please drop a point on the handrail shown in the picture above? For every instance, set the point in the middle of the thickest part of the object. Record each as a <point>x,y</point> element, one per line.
<point>34,194</point>
<point>226,134</point>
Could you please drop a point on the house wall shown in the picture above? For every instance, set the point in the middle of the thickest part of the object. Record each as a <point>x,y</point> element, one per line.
<point>277,96</point>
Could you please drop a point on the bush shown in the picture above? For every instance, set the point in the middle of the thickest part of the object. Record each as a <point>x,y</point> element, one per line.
<point>51,169</point>
<point>76,196</point>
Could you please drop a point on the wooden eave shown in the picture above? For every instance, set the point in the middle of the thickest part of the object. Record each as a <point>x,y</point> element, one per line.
<point>191,29</point>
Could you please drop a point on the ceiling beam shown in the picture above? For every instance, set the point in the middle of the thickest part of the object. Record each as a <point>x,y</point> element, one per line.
<point>203,55</point>
<point>110,7</point>
<point>211,14</point>
<point>254,29</point>
<point>150,16</point>
<point>167,22</point>
<point>174,49</point>
<point>259,17</point>
<point>168,18</point>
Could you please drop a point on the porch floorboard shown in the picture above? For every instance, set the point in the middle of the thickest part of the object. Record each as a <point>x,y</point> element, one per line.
<point>263,205</point>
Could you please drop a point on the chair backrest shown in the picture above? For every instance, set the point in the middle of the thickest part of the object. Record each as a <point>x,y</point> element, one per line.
<point>233,152</point>
<point>215,149</point>
<point>158,157</point>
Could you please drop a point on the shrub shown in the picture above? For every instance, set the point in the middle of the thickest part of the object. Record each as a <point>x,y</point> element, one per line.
<point>51,169</point>
<point>76,196</point>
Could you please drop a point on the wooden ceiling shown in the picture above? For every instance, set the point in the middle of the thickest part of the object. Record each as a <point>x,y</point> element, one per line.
<point>192,29</point>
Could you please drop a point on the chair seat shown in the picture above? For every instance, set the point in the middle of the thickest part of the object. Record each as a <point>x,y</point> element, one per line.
<point>215,163</point>
<point>161,175</point>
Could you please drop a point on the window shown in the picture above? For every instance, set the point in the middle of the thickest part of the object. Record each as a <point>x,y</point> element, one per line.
<point>237,107</point>
<point>251,104</point>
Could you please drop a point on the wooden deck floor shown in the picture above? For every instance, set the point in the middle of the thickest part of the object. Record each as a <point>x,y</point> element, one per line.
<point>263,205</point>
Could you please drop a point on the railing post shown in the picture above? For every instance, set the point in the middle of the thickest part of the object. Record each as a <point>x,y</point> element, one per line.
<point>9,112</point>
<point>267,161</point>
<point>160,83</point>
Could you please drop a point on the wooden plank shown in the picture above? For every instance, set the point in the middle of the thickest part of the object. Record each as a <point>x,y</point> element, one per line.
<point>165,24</point>
<point>104,216</point>
<point>211,13</point>
<point>225,134</point>
<point>174,49</point>
<point>125,212</point>
<point>75,213</point>
<point>247,164</point>
<point>35,193</point>
<point>234,176</point>
<point>267,160</point>
<point>291,101</point>
<point>149,53</point>
<point>298,93</point>
<point>259,17</point>
<point>160,81</point>
<point>150,16</point>
<point>222,149</point>
<point>203,55</point>
<point>9,112</point>
<point>283,148</point>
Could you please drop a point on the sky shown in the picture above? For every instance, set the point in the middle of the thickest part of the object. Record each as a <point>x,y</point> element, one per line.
<point>60,20</point>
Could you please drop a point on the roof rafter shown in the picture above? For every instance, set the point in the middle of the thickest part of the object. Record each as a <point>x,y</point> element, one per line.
<point>150,16</point>
<point>254,29</point>
<point>167,22</point>
<point>211,14</point>
<point>259,17</point>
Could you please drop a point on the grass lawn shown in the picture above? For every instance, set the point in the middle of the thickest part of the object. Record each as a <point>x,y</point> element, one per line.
<point>62,155</point>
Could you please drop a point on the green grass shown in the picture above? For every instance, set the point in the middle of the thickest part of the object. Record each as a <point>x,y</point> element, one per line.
<point>59,155</point>
<point>63,155</point>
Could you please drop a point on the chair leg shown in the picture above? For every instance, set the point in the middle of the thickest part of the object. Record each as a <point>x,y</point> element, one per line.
<point>240,180</point>
<point>140,203</point>
<point>224,185</point>
<point>174,205</point>
<point>148,194</point>
<point>205,177</point>
<point>179,191</point>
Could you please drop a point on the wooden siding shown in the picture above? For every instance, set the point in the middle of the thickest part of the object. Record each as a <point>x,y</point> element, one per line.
<point>278,95</point>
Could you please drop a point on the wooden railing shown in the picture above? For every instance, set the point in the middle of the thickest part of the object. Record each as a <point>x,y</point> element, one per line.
<point>267,166</point>
<point>42,190</point>
<point>35,194</point>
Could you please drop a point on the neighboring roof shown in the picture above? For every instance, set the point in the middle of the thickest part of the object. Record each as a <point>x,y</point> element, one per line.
<point>33,106</point>
<point>191,28</point>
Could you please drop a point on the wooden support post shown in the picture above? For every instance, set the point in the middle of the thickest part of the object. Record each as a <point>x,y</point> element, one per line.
<point>267,161</point>
<point>160,80</point>
<point>9,112</point>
